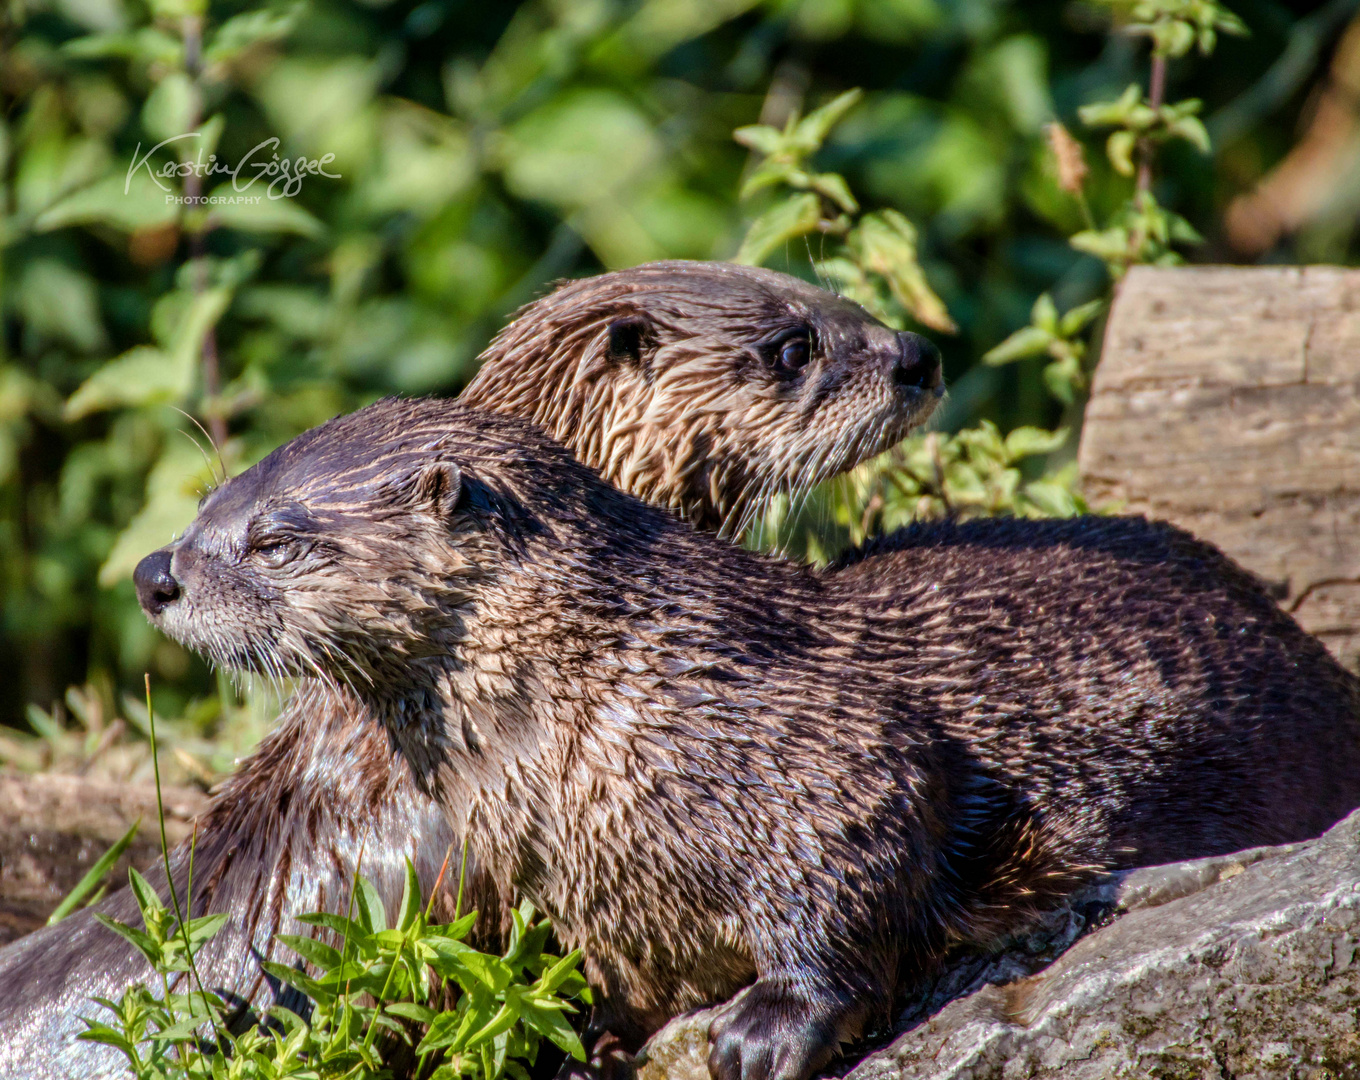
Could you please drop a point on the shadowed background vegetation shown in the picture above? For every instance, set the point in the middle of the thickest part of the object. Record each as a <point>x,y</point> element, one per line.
<point>457,158</point>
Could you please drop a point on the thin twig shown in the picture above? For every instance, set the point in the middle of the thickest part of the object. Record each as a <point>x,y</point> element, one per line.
<point>1156,95</point>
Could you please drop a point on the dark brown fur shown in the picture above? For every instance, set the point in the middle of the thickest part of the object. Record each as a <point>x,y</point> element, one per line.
<point>708,766</point>
<point>289,825</point>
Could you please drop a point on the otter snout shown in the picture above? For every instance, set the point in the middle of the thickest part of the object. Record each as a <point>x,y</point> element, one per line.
<point>918,364</point>
<point>157,588</point>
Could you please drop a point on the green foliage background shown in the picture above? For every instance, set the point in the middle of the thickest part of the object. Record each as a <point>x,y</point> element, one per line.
<point>480,151</point>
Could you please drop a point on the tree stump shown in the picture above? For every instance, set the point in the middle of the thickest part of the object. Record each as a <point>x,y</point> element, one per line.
<point>1227,401</point>
<point>53,828</point>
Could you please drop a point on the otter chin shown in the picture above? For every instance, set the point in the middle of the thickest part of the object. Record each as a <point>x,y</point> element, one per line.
<point>714,769</point>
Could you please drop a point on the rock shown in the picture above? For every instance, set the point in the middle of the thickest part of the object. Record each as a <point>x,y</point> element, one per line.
<point>1234,966</point>
<point>53,828</point>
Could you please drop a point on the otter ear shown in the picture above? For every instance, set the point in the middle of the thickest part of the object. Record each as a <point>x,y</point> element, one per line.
<point>626,338</point>
<point>438,488</point>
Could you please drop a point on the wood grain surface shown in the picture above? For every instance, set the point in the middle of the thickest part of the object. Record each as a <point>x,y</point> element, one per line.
<point>1227,401</point>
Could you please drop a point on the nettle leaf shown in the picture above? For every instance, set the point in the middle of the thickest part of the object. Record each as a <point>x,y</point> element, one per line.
<point>1119,148</point>
<point>886,245</point>
<point>1027,441</point>
<point>410,906</point>
<point>1026,342</point>
<point>141,376</point>
<point>1044,314</point>
<point>260,213</point>
<point>170,107</point>
<point>833,186</point>
<point>812,130</point>
<point>368,902</point>
<point>313,988</point>
<point>1109,245</point>
<point>1192,129</point>
<point>244,31</point>
<point>1079,317</point>
<point>143,943</point>
<point>173,488</point>
<point>1064,378</point>
<point>770,173</point>
<point>788,219</point>
<point>123,203</point>
<point>310,949</point>
<point>761,138</point>
<point>1117,113</point>
<point>147,46</point>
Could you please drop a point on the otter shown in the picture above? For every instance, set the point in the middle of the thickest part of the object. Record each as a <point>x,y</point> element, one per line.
<point>714,769</point>
<point>752,349</point>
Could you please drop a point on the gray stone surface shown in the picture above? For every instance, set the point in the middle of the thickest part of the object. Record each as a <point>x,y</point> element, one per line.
<point>1245,965</point>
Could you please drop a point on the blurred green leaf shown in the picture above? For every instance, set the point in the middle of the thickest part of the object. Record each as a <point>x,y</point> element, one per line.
<point>787,220</point>
<point>116,201</point>
<point>141,376</point>
<point>255,211</point>
<point>1025,342</point>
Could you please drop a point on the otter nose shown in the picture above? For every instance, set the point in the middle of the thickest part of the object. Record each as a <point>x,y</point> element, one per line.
<point>918,362</point>
<point>156,587</point>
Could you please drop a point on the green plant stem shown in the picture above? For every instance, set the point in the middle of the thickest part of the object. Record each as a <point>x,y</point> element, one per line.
<point>462,875</point>
<point>344,944</point>
<point>1156,95</point>
<point>1084,205</point>
<point>165,858</point>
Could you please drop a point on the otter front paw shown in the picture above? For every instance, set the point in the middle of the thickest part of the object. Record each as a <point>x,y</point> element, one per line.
<point>778,1032</point>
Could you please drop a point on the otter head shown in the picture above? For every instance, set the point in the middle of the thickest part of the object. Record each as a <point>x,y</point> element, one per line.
<point>349,554</point>
<point>709,387</point>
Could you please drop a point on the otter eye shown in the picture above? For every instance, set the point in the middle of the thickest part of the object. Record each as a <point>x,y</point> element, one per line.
<point>277,551</point>
<point>625,338</point>
<point>794,353</point>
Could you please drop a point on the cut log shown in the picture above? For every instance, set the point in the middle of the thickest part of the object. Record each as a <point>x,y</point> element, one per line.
<point>53,829</point>
<point>1227,401</point>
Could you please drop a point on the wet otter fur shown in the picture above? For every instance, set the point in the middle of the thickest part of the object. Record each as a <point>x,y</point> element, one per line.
<point>289,824</point>
<point>709,387</point>
<point>708,766</point>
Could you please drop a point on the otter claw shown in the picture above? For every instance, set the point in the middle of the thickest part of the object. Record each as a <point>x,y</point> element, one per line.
<point>775,1032</point>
